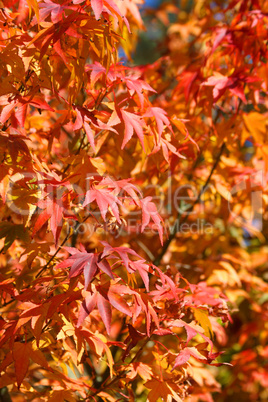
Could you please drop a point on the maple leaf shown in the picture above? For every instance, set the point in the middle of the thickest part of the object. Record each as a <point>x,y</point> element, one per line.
<point>105,198</point>
<point>255,124</point>
<point>182,358</point>
<point>134,84</point>
<point>203,294</point>
<point>168,288</point>
<point>84,118</point>
<point>105,311</point>
<point>22,352</point>
<point>185,355</point>
<point>221,83</point>
<point>21,359</point>
<point>133,7</point>
<point>33,4</point>
<point>221,33</point>
<point>187,81</point>
<point>53,179</point>
<point>234,83</point>
<point>114,295</point>
<point>149,211</point>
<point>97,70</point>
<point>37,314</point>
<point>104,308</point>
<point>44,62</point>
<point>132,266</point>
<point>132,339</point>
<point>180,124</point>
<point>99,6</point>
<point>192,330</point>
<point>203,320</point>
<point>89,263</point>
<point>122,251</point>
<point>55,203</point>
<point>49,8</point>
<point>123,185</point>
<point>159,389</point>
<point>167,147</point>
<point>161,119</point>
<point>141,369</point>
<point>15,145</point>
<point>21,105</point>
<point>54,209</point>
<point>10,232</point>
<point>133,122</point>
<point>143,270</point>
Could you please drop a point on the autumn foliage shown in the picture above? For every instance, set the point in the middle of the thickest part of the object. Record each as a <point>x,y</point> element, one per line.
<point>133,201</point>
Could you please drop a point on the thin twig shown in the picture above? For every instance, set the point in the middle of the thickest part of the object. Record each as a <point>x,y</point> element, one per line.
<point>76,153</point>
<point>53,256</point>
<point>67,237</point>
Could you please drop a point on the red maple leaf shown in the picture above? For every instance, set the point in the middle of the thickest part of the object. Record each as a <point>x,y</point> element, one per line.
<point>134,84</point>
<point>105,198</point>
<point>85,118</point>
<point>89,263</point>
<point>133,122</point>
<point>19,106</point>
<point>161,119</point>
<point>235,84</point>
<point>54,209</point>
<point>103,297</point>
<point>149,211</point>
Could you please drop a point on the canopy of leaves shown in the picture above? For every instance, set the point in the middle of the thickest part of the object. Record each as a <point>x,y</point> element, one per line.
<point>133,201</point>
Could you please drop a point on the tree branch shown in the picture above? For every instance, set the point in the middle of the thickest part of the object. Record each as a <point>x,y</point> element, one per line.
<point>67,237</point>
<point>122,374</point>
<point>173,231</point>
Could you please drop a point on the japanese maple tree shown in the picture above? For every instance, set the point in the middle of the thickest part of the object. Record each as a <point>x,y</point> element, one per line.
<point>132,196</point>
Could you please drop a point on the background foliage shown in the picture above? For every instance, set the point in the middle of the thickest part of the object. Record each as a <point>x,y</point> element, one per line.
<point>132,256</point>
